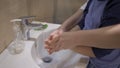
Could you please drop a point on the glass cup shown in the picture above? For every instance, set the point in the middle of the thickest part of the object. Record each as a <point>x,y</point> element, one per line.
<point>16,47</point>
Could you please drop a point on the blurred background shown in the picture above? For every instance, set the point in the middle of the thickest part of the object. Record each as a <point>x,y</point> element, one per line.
<point>52,11</point>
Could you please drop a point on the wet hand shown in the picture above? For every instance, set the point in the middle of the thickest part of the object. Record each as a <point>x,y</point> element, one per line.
<point>66,41</point>
<point>50,42</point>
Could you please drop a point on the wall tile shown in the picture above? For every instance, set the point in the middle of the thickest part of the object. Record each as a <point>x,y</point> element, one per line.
<point>42,9</point>
<point>9,9</point>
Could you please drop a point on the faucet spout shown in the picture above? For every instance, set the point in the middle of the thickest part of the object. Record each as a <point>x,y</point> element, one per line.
<point>26,26</point>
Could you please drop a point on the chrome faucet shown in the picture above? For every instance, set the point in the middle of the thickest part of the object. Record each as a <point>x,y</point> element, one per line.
<point>26,26</point>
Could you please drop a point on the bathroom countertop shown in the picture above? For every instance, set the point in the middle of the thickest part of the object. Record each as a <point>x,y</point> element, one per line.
<point>22,60</point>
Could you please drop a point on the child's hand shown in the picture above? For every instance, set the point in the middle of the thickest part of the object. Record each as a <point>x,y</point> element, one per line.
<point>66,41</point>
<point>51,41</point>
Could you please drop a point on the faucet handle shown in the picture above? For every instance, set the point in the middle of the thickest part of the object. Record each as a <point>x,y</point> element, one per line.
<point>15,20</point>
<point>25,19</point>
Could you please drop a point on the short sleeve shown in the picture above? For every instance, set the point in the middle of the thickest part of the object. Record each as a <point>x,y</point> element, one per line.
<point>111,14</point>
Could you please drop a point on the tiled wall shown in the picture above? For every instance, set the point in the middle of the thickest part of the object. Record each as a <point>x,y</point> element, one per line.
<point>55,11</point>
<point>65,8</point>
<point>45,10</point>
<point>9,9</point>
<point>42,9</point>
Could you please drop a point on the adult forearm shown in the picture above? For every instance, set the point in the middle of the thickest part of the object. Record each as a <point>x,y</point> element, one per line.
<point>72,21</point>
<point>108,37</point>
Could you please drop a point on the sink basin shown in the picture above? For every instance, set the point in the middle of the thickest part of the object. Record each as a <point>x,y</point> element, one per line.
<point>61,59</point>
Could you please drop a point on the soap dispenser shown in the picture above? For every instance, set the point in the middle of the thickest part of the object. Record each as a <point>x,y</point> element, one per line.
<point>17,45</point>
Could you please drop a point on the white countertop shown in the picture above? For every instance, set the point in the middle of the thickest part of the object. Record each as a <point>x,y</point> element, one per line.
<point>23,60</point>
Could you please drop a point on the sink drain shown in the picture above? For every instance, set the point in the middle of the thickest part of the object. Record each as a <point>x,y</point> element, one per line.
<point>47,59</point>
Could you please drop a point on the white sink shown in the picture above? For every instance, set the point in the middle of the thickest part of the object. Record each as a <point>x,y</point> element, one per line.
<point>61,59</point>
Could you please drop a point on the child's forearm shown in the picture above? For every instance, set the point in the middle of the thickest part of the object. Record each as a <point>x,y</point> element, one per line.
<point>108,37</point>
<point>72,21</point>
<point>87,51</point>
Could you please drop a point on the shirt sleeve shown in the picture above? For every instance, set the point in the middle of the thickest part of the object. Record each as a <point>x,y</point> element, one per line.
<point>111,16</point>
<point>84,6</point>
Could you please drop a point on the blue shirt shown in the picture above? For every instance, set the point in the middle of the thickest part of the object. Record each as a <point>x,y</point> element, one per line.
<point>101,13</point>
